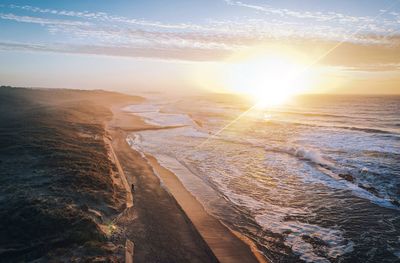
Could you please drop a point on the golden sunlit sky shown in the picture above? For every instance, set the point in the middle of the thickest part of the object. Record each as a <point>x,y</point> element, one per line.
<point>266,49</point>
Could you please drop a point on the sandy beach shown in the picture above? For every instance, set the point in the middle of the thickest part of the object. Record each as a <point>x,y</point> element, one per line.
<point>164,214</point>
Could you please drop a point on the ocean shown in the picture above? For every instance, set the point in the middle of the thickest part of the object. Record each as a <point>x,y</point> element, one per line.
<point>314,180</point>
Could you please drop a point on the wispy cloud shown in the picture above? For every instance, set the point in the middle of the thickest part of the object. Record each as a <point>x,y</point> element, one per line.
<point>102,16</point>
<point>319,16</point>
<point>105,34</point>
<point>186,54</point>
<point>375,23</point>
<point>42,21</point>
<point>279,26</point>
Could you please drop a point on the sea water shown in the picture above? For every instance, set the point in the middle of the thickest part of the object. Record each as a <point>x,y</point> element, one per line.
<point>315,180</point>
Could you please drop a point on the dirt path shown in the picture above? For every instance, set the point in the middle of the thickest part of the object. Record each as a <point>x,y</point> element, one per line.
<point>124,180</point>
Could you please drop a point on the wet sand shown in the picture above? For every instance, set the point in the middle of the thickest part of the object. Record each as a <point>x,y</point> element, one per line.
<point>226,246</point>
<point>169,218</point>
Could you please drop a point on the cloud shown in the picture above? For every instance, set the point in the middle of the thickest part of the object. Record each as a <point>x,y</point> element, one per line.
<point>141,37</point>
<point>102,16</point>
<point>104,34</point>
<point>41,21</point>
<point>187,54</point>
<point>375,23</point>
<point>340,28</point>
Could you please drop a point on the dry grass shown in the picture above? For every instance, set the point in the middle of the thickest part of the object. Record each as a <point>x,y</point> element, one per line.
<point>54,172</point>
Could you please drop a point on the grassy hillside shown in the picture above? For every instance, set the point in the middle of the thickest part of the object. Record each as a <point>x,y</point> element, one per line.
<point>55,174</point>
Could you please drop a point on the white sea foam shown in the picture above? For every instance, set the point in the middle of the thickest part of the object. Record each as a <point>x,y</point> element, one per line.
<point>134,142</point>
<point>312,155</point>
<point>166,119</point>
<point>144,107</point>
<point>272,217</point>
<point>156,143</point>
<point>315,157</point>
<point>294,231</point>
<point>251,179</point>
<point>152,114</point>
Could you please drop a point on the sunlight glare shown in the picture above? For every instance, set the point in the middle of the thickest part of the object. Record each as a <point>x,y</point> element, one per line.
<point>270,79</point>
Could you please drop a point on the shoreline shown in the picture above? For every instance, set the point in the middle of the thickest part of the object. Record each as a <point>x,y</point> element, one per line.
<point>157,226</point>
<point>209,227</point>
<point>226,244</point>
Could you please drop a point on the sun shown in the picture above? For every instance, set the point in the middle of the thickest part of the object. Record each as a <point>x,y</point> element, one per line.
<point>270,78</point>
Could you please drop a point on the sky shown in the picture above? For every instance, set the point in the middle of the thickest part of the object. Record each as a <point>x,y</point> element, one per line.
<point>350,46</point>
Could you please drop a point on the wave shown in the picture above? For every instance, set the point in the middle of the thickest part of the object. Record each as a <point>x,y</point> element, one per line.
<point>363,190</point>
<point>141,108</point>
<point>353,128</point>
<point>305,154</point>
<point>312,114</point>
<point>367,130</point>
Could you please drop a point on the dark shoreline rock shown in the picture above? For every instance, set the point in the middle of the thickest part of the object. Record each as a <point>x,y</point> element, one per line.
<point>347,177</point>
<point>370,189</point>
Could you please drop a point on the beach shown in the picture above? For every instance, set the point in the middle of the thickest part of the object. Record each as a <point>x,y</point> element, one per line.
<point>155,208</point>
<point>265,176</point>
<point>66,161</point>
<point>233,131</point>
<point>150,179</point>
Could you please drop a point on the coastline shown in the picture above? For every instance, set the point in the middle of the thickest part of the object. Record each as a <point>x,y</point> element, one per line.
<point>225,244</point>
<point>156,225</point>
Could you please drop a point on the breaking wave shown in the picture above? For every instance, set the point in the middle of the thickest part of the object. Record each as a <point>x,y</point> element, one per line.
<point>310,155</point>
